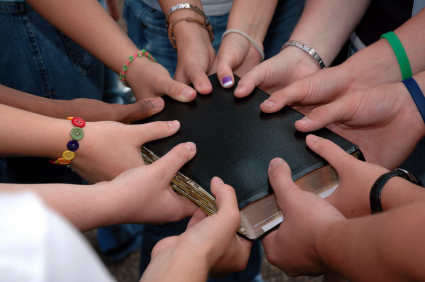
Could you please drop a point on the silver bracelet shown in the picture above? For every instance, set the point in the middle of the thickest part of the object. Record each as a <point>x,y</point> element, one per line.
<point>254,43</point>
<point>184,6</point>
<point>307,49</point>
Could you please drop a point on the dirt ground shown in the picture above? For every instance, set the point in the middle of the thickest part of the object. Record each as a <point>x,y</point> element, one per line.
<point>127,270</point>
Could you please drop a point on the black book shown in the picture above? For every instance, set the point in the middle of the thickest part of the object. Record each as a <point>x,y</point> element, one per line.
<point>236,141</point>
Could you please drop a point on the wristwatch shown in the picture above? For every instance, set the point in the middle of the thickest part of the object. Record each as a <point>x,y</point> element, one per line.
<point>375,192</point>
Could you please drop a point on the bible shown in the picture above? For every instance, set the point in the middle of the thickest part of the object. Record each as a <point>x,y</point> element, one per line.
<point>236,142</point>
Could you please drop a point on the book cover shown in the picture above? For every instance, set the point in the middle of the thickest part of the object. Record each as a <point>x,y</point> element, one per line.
<point>236,141</point>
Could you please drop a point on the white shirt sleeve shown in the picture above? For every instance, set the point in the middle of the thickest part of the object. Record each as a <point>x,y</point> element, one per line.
<point>37,244</point>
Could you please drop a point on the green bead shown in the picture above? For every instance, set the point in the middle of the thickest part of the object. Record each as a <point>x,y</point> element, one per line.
<point>77,133</point>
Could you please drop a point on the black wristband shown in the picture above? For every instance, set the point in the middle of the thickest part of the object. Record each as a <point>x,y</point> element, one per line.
<point>375,192</point>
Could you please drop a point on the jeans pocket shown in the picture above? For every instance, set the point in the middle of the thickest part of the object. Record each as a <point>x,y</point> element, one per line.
<point>83,62</point>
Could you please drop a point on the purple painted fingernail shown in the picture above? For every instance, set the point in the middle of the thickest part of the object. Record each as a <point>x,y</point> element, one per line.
<point>227,81</point>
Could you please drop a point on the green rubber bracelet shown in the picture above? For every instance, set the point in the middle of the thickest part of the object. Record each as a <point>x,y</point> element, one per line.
<point>400,53</point>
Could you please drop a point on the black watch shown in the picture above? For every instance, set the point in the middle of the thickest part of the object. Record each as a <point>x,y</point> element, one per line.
<point>375,192</point>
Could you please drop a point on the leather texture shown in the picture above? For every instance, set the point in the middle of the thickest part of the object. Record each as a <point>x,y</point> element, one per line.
<point>236,141</point>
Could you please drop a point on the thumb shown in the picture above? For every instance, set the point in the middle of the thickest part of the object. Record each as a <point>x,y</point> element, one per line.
<point>139,110</point>
<point>331,152</point>
<point>176,90</point>
<point>281,181</point>
<point>168,165</point>
<point>226,63</point>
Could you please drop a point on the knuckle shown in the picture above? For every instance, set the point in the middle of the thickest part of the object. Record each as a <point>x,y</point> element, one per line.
<point>272,257</point>
<point>144,108</point>
<point>322,111</point>
<point>160,127</point>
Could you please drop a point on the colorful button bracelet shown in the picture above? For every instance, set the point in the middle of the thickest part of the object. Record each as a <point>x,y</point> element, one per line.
<point>77,134</point>
<point>130,60</point>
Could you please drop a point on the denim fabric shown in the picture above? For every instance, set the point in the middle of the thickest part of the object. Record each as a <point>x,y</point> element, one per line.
<point>38,59</point>
<point>414,163</point>
<point>146,27</point>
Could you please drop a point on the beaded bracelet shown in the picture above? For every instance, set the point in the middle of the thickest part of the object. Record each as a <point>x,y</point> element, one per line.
<point>130,60</point>
<point>202,22</point>
<point>77,134</point>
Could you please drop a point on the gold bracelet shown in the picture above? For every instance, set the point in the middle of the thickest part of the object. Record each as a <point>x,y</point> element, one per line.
<point>203,22</point>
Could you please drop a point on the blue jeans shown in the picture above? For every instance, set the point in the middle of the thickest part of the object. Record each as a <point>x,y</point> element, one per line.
<point>146,27</point>
<point>38,59</point>
<point>414,163</point>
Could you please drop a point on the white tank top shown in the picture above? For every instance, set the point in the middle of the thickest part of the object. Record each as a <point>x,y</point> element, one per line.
<point>210,7</point>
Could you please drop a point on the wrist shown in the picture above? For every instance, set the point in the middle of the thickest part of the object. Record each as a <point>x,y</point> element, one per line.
<point>325,244</point>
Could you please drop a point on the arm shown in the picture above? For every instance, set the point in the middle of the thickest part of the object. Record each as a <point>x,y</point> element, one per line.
<point>236,54</point>
<point>107,149</point>
<point>209,246</point>
<point>315,238</point>
<point>139,195</point>
<point>80,107</point>
<point>90,26</point>
<point>325,26</point>
<point>376,64</point>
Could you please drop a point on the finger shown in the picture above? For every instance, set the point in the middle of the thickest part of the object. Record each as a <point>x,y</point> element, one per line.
<point>199,79</point>
<point>226,201</point>
<point>338,111</point>
<point>167,166</point>
<point>226,63</point>
<point>197,217</point>
<point>140,110</point>
<point>320,87</point>
<point>281,181</point>
<point>328,150</point>
<point>176,90</point>
<point>155,130</point>
<point>250,80</point>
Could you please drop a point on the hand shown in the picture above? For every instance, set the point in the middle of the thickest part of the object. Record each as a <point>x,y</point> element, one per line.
<point>236,55</point>
<point>210,244</point>
<point>195,54</point>
<point>110,148</point>
<point>275,73</point>
<point>371,66</point>
<point>145,195</point>
<point>383,121</point>
<point>148,80</point>
<point>113,9</point>
<point>356,177</point>
<point>293,247</point>
<point>110,112</point>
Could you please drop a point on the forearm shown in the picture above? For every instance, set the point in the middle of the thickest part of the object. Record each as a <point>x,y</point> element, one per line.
<point>86,206</point>
<point>32,103</point>
<point>90,26</point>
<point>384,247</point>
<point>252,16</point>
<point>325,25</point>
<point>28,134</point>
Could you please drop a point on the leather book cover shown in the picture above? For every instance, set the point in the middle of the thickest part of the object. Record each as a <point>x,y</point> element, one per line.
<point>236,141</point>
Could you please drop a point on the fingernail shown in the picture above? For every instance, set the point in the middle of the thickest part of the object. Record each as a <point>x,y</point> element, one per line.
<point>157,103</point>
<point>275,162</point>
<point>240,89</point>
<point>190,146</point>
<point>202,86</point>
<point>173,124</point>
<point>269,104</point>
<point>312,138</point>
<point>218,180</point>
<point>304,121</point>
<point>187,92</point>
<point>226,81</point>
